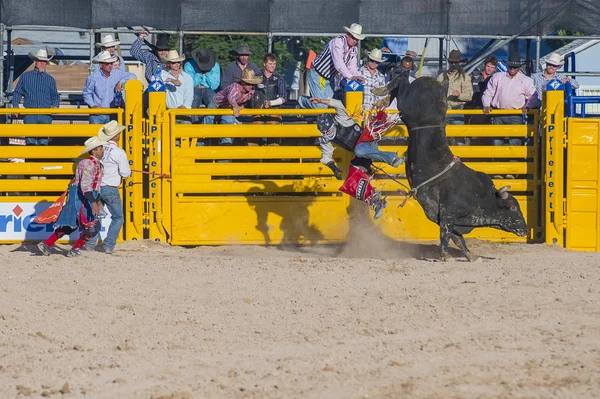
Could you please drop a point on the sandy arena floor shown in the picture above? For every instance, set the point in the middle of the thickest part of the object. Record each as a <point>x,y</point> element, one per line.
<point>154,321</point>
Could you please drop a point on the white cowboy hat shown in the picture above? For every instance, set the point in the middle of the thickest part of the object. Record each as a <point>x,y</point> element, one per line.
<point>104,57</point>
<point>41,55</point>
<point>173,56</point>
<point>91,143</point>
<point>555,59</point>
<point>376,55</point>
<point>355,30</point>
<point>108,41</point>
<point>110,130</point>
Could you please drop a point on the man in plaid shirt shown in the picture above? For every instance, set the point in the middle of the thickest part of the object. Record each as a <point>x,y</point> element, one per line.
<point>373,78</point>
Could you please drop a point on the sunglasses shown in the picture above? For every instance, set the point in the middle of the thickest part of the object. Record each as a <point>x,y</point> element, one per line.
<point>514,67</point>
<point>552,65</point>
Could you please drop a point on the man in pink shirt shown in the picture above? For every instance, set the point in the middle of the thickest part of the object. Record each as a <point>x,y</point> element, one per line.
<point>509,90</point>
<point>338,59</point>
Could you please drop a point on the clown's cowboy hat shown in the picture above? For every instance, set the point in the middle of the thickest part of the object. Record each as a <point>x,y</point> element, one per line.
<point>110,130</point>
<point>91,143</point>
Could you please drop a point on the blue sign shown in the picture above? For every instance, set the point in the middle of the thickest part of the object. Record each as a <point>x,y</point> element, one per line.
<point>555,84</point>
<point>156,85</point>
<point>354,85</point>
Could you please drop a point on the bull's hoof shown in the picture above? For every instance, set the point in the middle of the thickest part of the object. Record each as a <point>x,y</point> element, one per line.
<point>446,257</point>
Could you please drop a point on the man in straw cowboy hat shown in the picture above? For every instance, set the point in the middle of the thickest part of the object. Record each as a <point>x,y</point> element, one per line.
<point>151,58</point>
<point>339,58</point>
<point>116,167</point>
<point>108,43</point>
<point>550,72</point>
<point>233,71</point>
<point>234,96</point>
<point>180,85</point>
<point>373,78</point>
<point>38,89</point>
<point>101,86</point>
<point>206,72</point>
<point>83,204</point>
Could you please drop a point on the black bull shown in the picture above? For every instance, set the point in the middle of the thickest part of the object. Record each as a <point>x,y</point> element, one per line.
<point>455,197</point>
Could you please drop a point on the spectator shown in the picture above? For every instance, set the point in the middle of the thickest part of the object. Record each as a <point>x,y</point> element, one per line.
<point>396,45</point>
<point>206,73</point>
<point>480,79</point>
<point>38,89</point>
<point>406,64</point>
<point>270,93</point>
<point>373,78</point>
<point>116,167</point>
<point>151,58</point>
<point>234,96</point>
<point>179,85</point>
<point>509,90</point>
<point>339,58</point>
<point>101,86</point>
<point>108,43</point>
<point>540,79</point>
<point>460,90</point>
<point>233,71</point>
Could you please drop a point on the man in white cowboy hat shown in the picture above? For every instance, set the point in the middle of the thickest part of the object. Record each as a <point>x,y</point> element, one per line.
<point>108,43</point>
<point>338,59</point>
<point>101,86</point>
<point>234,96</point>
<point>233,71</point>
<point>373,78</point>
<point>38,89</point>
<point>151,58</point>
<point>180,85</point>
<point>116,167</point>
<point>550,72</point>
<point>83,203</point>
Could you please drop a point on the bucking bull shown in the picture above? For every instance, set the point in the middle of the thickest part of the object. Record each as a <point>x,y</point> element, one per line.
<point>452,195</point>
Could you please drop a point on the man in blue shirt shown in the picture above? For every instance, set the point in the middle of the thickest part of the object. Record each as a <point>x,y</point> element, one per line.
<point>101,86</point>
<point>206,72</point>
<point>38,89</point>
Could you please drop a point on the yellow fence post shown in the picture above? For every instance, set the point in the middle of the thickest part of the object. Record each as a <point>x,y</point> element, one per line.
<point>554,139</point>
<point>157,138</point>
<point>134,190</point>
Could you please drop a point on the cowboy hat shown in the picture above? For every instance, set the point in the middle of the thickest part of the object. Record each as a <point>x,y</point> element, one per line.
<point>108,41</point>
<point>91,143</point>
<point>40,55</point>
<point>555,59</point>
<point>514,61</point>
<point>205,58</point>
<point>355,31</point>
<point>104,57</point>
<point>248,77</point>
<point>243,49</point>
<point>456,56</point>
<point>173,56</point>
<point>110,130</point>
<point>375,55</point>
<point>162,42</point>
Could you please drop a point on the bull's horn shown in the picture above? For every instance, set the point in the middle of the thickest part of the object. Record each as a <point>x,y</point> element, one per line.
<point>504,192</point>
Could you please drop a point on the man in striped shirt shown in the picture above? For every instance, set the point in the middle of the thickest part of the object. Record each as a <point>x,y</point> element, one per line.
<point>340,57</point>
<point>540,79</point>
<point>151,58</point>
<point>38,89</point>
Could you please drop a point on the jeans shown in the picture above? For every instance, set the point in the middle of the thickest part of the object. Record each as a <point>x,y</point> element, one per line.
<point>507,120</point>
<point>316,90</point>
<point>111,197</point>
<point>202,96</point>
<point>371,151</point>
<point>225,120</point>
<point>99,119</point>
<point>40,120</point>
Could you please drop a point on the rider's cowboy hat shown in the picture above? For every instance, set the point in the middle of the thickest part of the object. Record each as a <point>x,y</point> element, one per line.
<point>248,77</point>
<point>173,56</point>
<point>108,41</point>
<point>104,57</point>
<point>91,143</point>
<point>355,30</point>
<point>375,55</point>
<point>110,130</point>
<point>40,55</point>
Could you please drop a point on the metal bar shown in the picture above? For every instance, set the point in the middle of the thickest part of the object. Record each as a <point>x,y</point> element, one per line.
<point>270,42</point>
<point>64,111</point>
<point>91,67</point>
<point>1,63</point>
<point>181,35</point>
<point>538,44</point>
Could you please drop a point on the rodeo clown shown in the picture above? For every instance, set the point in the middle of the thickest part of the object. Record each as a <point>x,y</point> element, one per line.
<point>83,204</point>
<point>345,132</point>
